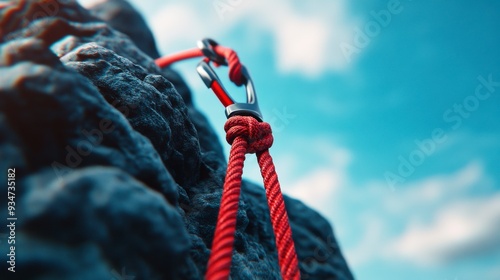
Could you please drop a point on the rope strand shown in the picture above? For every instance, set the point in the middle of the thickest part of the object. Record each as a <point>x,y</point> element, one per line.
<point>219,264</point>
<point>247,135</point>
<point>287,257</point>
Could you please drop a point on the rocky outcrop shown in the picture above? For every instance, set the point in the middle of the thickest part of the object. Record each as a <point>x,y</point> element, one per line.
<point>118,175</point>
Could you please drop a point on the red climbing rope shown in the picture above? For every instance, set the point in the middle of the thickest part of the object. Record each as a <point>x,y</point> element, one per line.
<point>228,54</point>
<point>245,134</point>
<point>166,61</point>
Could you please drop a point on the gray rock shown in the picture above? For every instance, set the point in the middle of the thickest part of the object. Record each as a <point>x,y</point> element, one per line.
<point>119,176</point>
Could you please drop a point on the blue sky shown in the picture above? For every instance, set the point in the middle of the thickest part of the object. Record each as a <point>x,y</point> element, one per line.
<point>385,116</point>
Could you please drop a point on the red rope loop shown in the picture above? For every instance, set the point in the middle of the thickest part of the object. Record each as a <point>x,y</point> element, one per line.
<point>233,63</point>
<point>257,134</point>
<point>232,59</point>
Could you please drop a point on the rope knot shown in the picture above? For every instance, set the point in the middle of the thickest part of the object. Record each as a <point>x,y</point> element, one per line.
<point>257,134</point>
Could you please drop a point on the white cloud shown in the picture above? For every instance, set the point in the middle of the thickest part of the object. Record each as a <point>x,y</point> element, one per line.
<point>368,247</point>
<point>308,42</point>
<point>436,188</point>
<point>434,221</point>
<point>460,230</point>
<point>90,3</point>
<point>302,43</point>
<point>319,187</point>
<point>305,36</point>
<point>179,24</point>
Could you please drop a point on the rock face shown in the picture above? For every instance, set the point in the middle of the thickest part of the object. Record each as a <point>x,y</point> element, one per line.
<point>118,176</point>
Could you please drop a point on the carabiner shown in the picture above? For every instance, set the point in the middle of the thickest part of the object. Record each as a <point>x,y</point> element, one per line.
<point>211,80</point>
<point>207,48</point>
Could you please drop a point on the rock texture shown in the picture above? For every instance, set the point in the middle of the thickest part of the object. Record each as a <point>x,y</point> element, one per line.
<point>118,175</point>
